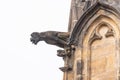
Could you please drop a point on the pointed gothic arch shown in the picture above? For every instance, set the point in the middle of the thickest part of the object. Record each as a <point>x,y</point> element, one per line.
<point>94,42</point>
<point>87,15</point>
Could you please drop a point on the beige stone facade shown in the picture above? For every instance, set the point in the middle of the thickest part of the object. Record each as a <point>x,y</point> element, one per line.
<point>96,38</point>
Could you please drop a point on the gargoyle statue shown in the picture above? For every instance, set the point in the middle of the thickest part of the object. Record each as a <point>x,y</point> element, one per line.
<point>59,39</point>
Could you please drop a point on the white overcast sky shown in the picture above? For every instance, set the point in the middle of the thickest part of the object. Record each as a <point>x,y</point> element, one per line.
<point>19,58</point>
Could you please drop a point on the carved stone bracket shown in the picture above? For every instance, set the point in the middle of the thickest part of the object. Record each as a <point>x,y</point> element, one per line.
<point>61,53</point>
<point>67,55</point>
<point>66,52</point>
<point>66,69</point>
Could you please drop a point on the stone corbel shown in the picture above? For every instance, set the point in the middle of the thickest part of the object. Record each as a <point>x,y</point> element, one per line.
<point>67,55</point>
<point>61,53</point>
<point>66,52</point>
<point>66,69</point>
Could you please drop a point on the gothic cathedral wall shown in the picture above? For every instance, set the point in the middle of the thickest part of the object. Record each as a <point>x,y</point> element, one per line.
<point>98,49</point>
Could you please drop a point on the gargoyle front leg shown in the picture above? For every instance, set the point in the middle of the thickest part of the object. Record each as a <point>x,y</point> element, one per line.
<point>63,35</point>
<point>62,42</point>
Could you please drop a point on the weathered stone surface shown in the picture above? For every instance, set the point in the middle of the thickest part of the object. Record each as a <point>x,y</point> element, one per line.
<point>100,55</point>
<point>98,66</point>
<point>111,62</point>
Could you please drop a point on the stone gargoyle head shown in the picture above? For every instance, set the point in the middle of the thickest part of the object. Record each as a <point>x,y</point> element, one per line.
<point>35,37</point>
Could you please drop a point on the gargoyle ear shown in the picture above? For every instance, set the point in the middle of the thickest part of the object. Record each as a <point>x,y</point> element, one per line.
<point>32,34</point>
